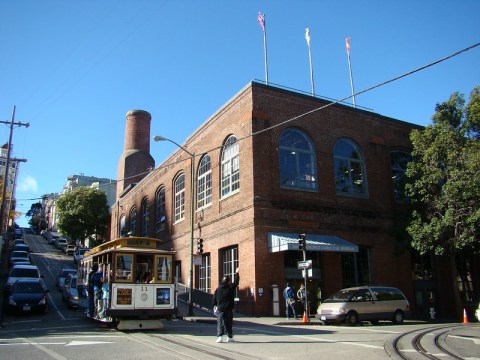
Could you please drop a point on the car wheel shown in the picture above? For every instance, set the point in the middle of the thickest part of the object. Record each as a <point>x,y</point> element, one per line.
<point>351,318</point>
<point>398,317</point>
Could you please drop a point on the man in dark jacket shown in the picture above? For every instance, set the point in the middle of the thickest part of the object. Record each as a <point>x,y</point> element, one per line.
<point>224,300</point>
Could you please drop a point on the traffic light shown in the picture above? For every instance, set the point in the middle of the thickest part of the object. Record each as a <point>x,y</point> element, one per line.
<point>199,246</point>
<point>302,242</point>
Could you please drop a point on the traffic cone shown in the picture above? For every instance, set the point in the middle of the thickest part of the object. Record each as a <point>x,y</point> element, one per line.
<point>465,317</point>
<point>305,319</point>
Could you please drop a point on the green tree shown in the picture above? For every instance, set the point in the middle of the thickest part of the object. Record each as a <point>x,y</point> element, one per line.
<point>83,213</point>
<point>444,179</point>
<point>36,216</point>
<point>443,185</point>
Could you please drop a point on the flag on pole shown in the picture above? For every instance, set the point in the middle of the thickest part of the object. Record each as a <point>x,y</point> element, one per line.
<point>347,45</point>
<point>261,20</point>
<point>307,36</point>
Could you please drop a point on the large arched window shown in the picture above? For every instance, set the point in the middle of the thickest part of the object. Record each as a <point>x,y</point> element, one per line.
<point>179,201</point>
<point>230,167</point>
<point>133,221</point>
<point>297,161</point>
<point>350,175</point>
<point>160,216</point>
<point>399,161</point>
<point>204,183</point>
<point>145,217</point>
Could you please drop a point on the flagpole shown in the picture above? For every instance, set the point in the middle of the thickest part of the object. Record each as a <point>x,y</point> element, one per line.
<point>347,44</point>
<point>307,37</point>
<point>265,48</point>
<point>263,25</point>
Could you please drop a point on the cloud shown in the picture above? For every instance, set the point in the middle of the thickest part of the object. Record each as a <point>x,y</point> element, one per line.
<point>28,184</point>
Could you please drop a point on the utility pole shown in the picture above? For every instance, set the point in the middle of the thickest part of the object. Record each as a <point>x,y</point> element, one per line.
<point>11,124</point>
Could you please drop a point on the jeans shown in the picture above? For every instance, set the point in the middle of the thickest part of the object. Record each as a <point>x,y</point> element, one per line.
<point>225,322</point>
<point>287,307</point>
<point>91,303</point>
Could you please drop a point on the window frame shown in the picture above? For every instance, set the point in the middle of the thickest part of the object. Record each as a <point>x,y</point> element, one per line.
<point>160,213</point>
<point>304,159</point>
<point>204,183</point>
<point>179,198</point>
<point>230,168</point>
<point>351,165</point>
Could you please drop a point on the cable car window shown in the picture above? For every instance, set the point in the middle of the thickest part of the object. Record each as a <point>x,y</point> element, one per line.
<point>123,267</point>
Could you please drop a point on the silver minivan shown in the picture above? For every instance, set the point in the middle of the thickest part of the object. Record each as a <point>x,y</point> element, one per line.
<point>364,303</point>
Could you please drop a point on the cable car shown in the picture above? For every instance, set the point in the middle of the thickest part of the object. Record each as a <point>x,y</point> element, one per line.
<point>138,288</point>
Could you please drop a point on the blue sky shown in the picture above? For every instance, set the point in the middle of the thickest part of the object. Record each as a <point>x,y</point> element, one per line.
<point>74,68</point>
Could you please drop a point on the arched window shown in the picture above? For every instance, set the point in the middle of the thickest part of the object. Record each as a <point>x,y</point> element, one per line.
<point>204,183</point>
<point>230,167</point>
<point>350,176</point>
<point>145,217</point>
<point>122,226</point>
<point>398,161</point>
<point>297,161</point>
<point>179,201</point>
<point>160,218</point>
<point>133,221</point>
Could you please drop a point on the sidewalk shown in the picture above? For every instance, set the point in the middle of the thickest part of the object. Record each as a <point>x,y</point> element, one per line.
<point>206,316</point>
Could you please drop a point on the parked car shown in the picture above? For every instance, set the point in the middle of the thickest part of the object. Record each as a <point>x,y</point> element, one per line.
<point>78,254</point>
<point>69,292</point>
<point>62,275</point>
<point>69,249</point>
<point>18,234</point>
<point>16,256</point>
<point>28,295</point>
<point>18,242</point>
<point>365,303</point>
<point>21,247</point>
<point>21,272</point>
<point>60,243</point>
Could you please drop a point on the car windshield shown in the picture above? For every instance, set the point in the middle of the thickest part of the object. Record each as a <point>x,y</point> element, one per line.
<point>341,296</point>
<point>27,288</point>
<point>66,272</point>
<point>19,254</point>
<point>33,273</point>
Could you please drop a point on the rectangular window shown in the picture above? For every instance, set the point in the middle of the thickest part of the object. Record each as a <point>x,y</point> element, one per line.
<point>204,274</point>
<point>180,198</point>
<point>229,262</point>
<point>356,268</point>
<point>163,268</point>
<point>123,267</point>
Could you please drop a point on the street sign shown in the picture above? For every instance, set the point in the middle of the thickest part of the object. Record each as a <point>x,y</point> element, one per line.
<point>307,264</point>
<point>197,259</point>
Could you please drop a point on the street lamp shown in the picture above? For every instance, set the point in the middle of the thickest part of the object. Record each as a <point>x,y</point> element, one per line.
<point>158,138</point>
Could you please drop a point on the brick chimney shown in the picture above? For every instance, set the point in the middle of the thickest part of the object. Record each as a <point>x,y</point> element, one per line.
<point>136,159</point>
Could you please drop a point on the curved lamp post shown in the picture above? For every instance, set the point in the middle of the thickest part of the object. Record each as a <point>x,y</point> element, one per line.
<point>158,138</point>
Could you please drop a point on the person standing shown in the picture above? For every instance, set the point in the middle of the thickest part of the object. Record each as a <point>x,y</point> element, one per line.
<point>91,291</point>
<point>224,300</point>
<point>301,296</point>
<point>289,296</point>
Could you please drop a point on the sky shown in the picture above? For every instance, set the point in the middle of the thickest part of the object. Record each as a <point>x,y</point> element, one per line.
<point>73,69</point>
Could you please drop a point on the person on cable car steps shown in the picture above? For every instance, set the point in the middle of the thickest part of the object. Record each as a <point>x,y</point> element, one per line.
<point>97,288</point>
<point>91,291</point>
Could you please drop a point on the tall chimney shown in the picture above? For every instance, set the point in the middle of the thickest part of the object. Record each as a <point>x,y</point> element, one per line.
<point>136,159</point>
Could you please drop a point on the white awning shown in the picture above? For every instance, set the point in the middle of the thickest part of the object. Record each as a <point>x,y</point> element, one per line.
<point>283,242</point>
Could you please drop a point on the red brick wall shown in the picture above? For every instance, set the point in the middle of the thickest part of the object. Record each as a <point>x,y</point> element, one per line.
<point>261,206</point>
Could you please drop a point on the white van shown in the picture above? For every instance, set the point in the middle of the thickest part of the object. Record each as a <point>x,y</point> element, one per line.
<point>364,303</point>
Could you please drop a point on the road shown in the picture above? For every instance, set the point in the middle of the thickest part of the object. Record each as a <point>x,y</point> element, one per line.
<point>65,334</point>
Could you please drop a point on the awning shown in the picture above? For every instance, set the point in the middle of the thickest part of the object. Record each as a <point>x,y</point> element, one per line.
<point>283,242</point>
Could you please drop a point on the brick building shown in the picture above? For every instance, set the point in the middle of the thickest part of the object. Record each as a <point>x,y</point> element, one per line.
<point>268,165</point>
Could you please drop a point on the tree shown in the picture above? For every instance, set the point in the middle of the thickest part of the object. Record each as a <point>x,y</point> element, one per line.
<point>443,185</point>
<point>83,213</point>
<point>443,180</point>
<point>36,216</point>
